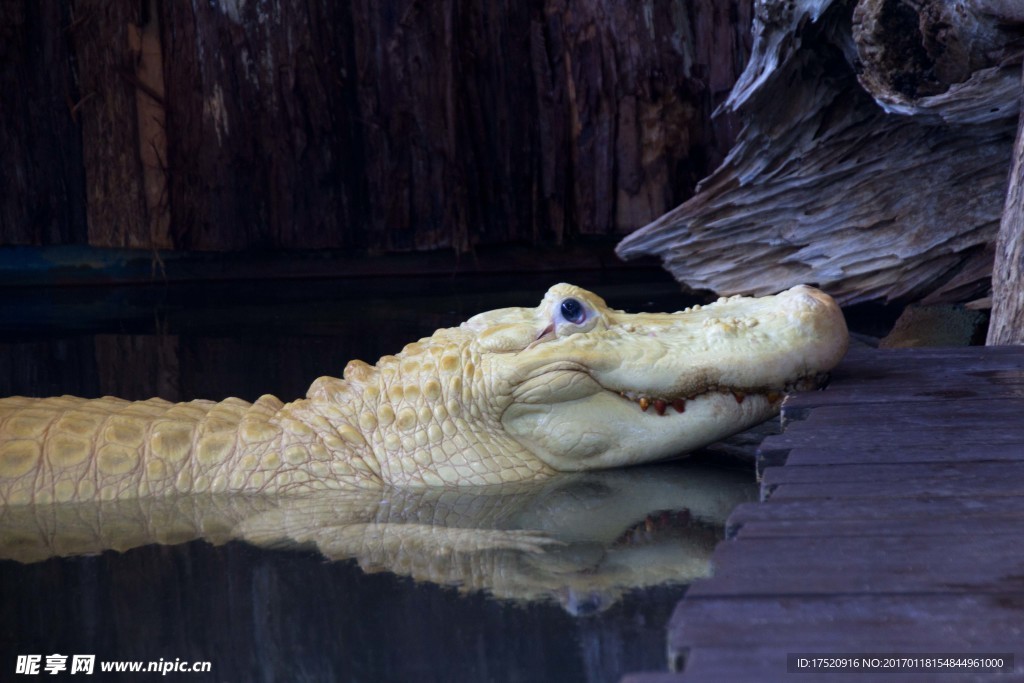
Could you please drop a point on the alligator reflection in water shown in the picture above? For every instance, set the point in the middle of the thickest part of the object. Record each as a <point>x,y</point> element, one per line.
<point>581,539</point>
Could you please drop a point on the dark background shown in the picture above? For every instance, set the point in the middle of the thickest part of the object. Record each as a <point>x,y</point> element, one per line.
<point>376,126</point>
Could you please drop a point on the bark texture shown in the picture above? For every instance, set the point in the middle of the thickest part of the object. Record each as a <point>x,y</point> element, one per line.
<point>107,50</point>
<point>390,125</point>
<point>872,161</point>
<point>42,190</point>
<point>1007,323</point>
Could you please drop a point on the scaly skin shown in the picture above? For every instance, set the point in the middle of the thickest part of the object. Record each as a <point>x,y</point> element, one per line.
<point>511,395</point>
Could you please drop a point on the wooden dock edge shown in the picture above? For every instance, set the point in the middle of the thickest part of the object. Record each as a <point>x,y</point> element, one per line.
<point>890,522</point>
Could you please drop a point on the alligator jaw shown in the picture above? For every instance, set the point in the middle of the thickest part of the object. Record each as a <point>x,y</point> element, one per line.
<point>661,404</point>
<point>641,387</point>
<point>678,404</point>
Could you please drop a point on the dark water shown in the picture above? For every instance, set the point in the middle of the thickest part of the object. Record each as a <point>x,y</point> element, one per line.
<point>298,606</point>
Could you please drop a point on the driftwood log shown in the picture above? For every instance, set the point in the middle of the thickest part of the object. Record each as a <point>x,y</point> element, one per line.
<point>1007,323</point>
<point>873,159</point>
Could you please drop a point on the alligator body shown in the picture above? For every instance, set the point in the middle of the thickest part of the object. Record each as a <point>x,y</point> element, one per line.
<point>510,395</point>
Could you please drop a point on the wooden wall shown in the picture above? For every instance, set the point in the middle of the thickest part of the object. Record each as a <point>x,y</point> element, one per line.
<point>380,125</point>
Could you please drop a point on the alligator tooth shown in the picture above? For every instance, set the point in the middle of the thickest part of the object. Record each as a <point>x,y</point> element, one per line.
<point>659,406</point>
<point>739,396</point>
<point>644,403</point>
<point>679,404</point>
<point>774,396</point>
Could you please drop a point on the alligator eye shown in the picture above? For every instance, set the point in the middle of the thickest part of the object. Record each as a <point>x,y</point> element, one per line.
<point>573,311</point>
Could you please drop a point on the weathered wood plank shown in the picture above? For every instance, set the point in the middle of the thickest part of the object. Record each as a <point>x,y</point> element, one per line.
<point>986,438</point>
<point>866,516</point>
<point>851,418</point>
<point>963,425</point>
<point>770,664</point>
<point>913,563</point>
<point>878,376</point>
<point>879,401</point>
<point>875,514</point>
<point>942,432</point>
<point>987,622</point>
<point>979,484</point>
<point>885,453</point>
<point>893,473</point>
<point>904,507</point>
<point>881,365</point>
<point>993,526</point>
<point>987,385</point>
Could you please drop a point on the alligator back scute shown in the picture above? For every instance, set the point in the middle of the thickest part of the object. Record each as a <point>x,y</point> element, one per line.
<point>68,448</point>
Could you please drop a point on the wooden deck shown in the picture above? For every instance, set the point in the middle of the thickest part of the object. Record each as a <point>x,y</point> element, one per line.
<point>891,521</point>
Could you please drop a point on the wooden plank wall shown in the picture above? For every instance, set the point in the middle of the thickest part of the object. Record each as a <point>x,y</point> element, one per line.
<point>389,125</point>
<point>894,525</point>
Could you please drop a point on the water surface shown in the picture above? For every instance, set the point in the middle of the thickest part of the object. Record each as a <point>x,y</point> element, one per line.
<point>572,580</point>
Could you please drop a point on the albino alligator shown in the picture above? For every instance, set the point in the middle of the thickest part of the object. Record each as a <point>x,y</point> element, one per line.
<point>510,395</point>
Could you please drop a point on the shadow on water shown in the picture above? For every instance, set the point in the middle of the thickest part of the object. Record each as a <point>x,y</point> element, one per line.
<point>569,579</point>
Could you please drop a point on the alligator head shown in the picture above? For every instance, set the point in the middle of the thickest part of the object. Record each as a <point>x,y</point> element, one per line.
<point>583,386</point>
<point>510,395</point>
<point>575,385</point>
